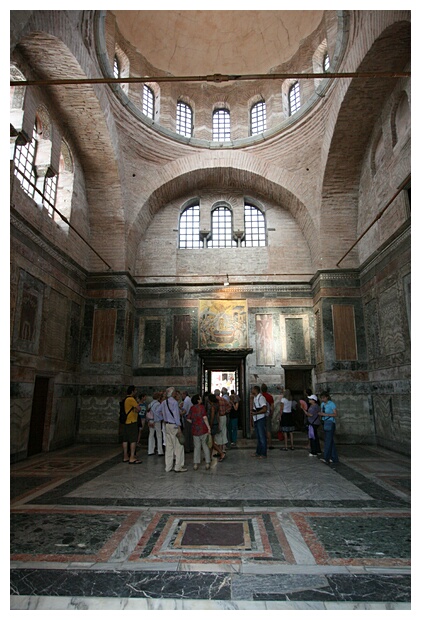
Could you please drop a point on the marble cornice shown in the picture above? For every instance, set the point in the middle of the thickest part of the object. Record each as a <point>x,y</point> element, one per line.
<point>303,290</point>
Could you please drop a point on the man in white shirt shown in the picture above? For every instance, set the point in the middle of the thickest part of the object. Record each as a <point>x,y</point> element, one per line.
<point>259,409</point>
<point>173,448</point>
<point>187,428</point>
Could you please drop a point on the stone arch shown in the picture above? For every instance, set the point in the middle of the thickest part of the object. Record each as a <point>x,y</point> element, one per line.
<point>93,140</point>
<point>239,171</point>
<point>351,135</point>
<point>400,118</point>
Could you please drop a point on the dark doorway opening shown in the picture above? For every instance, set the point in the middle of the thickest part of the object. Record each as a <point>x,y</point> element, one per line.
<point>297,380</point>
<point>229,370</point>
<point>38,415</point>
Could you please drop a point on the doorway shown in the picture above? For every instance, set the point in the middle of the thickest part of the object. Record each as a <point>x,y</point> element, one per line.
<point>219,369</point>
<point>38,415</point>
<point>297,380</point>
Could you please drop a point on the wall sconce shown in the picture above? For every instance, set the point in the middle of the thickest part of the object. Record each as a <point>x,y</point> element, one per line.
<point>227,282</point>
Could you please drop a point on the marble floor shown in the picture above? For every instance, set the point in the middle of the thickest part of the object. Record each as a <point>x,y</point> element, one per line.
<point>89,532</point>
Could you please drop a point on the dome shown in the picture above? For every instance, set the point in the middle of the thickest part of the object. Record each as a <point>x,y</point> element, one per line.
<point>206,42</point>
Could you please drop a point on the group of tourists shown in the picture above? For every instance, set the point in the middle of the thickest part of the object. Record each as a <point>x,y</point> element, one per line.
<point>181,424</point>
<point>317,413</point>
<point>178,424</point>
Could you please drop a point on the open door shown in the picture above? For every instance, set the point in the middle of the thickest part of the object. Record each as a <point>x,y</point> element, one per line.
<point>220,369</point>
<point>38,415</point>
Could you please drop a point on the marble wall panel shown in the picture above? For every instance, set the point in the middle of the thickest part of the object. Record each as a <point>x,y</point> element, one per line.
<point>100,421</point>
<point>28,315</point>
<point>20,419</point>
<point>373,329</point>
<point>392,338</point>
<point>295,338</point>
<point>344,332</point>
<point>73,341</point>
<point>151,341</point>
<point>129,336</point>
<point>103,333</point>
<point>56,309</point>
<point>63,430</point>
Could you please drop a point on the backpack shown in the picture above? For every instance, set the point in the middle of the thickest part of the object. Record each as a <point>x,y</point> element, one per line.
<point>123,414</point>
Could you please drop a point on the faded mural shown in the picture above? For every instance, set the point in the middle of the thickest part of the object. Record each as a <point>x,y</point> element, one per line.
<point>223,324</point>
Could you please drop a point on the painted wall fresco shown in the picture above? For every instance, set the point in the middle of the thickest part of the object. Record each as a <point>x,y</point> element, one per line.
<point>265,346</point>
<point>27,325</point>
<point>222,324</point>
<point>182,341</point>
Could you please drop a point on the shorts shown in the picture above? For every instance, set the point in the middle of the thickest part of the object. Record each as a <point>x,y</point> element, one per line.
<point>129,432</point>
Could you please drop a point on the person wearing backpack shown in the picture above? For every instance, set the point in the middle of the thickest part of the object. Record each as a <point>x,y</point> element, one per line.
<point>129,427</point>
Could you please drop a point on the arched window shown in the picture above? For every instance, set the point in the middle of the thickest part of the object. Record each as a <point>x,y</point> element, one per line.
<point>258,118</point>
<point>221,235</point>
<point>116,67</point>
<point>254,227</point>
<point>184,119</point>
<point>189,236</point>
<point>64,186</point>
<point>24,161</point>
<point>49,194</point>
<point>148,101</point>
<point>326,62</point>
<point>221,126</point>
<point>294,98</point>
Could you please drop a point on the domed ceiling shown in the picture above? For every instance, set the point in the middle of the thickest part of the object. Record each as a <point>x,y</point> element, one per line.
<point>184,43</point>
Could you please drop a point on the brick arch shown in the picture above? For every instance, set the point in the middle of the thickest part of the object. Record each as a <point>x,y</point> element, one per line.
<point>351,135</point>
<point>94,140</point>
<point>238,171</point>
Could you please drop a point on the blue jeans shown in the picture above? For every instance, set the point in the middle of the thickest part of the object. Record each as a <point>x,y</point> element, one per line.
<point>233,429</point>
<point>260,427</point>
<point>330,448</point>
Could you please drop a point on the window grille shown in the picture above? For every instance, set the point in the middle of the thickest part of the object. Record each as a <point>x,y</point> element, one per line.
<point>326,62</point>
<point>221,126</point>
<point>116,67</point>
<point>184,119</point>
<point>148,101</point>
<point>294,98</point>
<point>24,160</point>
<point>254,227</point>
<point>189,236</point>
<point>258,118</point>
<point>221,229</point>
<point>49,194</point>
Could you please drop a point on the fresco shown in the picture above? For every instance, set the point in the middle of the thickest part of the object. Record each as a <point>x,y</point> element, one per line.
<point>181,348</point>
<point>222,324</point>
<point>265,350</point>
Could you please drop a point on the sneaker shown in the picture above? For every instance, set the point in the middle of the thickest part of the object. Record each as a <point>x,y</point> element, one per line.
<point>323,461</point>
<point>310,454</point>
<point>182,469</point>
<point>195,466</point>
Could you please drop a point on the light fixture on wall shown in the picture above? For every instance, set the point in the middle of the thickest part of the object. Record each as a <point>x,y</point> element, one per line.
<point>227,282</point>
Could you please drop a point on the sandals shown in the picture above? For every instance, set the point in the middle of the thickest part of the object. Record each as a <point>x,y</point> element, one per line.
<point>135,462</point>
<point>222,458</point>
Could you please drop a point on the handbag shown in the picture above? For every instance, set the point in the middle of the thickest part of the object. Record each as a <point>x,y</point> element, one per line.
<point>209,440</point>
<point>311,432</point>
<point>180,437</point>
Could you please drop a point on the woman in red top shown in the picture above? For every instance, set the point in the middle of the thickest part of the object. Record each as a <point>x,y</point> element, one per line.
<point>200,430</point>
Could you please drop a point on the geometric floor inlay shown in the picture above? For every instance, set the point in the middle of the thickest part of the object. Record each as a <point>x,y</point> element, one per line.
<point>219,537</point>
<point>60,536</point>
<point>382,539</point>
